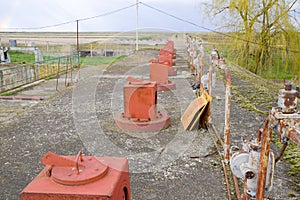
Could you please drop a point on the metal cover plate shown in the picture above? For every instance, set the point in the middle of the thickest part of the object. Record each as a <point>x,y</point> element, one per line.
<point>90,170</point>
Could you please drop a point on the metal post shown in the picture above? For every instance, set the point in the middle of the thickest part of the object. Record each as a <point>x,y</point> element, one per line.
<point>71,63</point>
<point>227,117</point>
<point>192,62</point>
<point>137,26</point>
<point>67,68</point>
<point>1,81</point>
<point>91,47</point>
<point>58,69</point>
<point>77,38</point>
<point>47,48</point>
<point>263,161</point>
<point>210,80</point>
<point>202,60</point>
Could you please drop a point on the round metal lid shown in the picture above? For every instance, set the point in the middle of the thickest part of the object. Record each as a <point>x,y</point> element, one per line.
<point>88,170</point>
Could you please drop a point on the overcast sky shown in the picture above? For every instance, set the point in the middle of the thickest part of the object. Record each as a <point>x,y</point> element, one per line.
<point>33,13</point>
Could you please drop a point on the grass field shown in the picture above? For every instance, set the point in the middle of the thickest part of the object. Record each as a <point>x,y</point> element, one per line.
<point>18,56</point>
<point>21,57</point>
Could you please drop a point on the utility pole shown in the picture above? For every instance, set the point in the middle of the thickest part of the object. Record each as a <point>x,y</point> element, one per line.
<point>77,38</point>
<point>137,27</point>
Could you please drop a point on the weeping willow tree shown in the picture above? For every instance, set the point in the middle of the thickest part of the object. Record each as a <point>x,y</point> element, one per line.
<point>266,38</point>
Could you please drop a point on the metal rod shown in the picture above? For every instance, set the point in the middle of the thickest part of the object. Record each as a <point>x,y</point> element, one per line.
<point>77,38</point>
<point>226,146</point>
<point>210,80</point>
<point>202,60</point>
<point>236,186</point>
<point>91,49</point>
<point>201,68</point>
<point>78,52</point>
<point>217,134</point>
<point>263,161</point>
<point>259,133</point>
<point>67,67</point>
<point>199,75</point>
<point>192,62</point>
<point>223,165</point>
<point>71,63</point>
<point>245,195</point>
<point>58,67</point>
<point>281,152</point>
<point>137,27</point>
<point>34,98</point>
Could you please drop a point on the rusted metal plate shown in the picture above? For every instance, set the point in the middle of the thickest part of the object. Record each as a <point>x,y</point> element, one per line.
<point>195,111</point>
<point>114,183</point>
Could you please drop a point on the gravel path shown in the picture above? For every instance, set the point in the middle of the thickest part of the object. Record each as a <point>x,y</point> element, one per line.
<point>82,118</point>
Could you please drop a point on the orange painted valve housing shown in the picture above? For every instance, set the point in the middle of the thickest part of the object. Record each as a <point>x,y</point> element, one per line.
<point>140,99</point>
<point>159,73</point>
<point>169,46</point>
<point>165,58</point>
<point>167,50</point>
<point>140,108</point>
<point>80,177</point>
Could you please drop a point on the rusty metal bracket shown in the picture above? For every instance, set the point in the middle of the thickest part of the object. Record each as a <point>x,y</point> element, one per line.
<point>285,120</point>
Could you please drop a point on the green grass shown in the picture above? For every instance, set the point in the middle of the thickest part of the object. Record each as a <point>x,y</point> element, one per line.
<point>12,92</point>
<point>99,60</point>
<point>274,74</point>
<point>51,77</point>
<point>23,57</point>
<point>291,155</point>
<point>18,56</point>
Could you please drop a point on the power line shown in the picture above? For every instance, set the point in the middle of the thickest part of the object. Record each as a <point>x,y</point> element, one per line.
<point>38,27</point>
<point>151,7</point>
<point>191,23</point>
<point>72,21</point>
<point>108,13</point>
<point>194,24</point>
<point>295,11</point>
<point>173,16</point>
